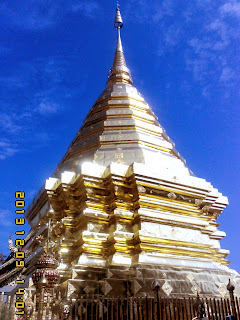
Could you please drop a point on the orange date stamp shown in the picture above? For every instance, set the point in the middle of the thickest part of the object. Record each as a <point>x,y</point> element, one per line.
<point>20,255</point>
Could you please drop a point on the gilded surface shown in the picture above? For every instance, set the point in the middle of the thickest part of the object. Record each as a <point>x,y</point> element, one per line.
<point>130,210</point>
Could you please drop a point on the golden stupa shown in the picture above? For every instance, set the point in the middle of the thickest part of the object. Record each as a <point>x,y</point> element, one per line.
<point>125,209</point>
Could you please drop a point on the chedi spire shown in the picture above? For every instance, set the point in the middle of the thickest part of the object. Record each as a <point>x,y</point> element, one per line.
<point>119,72</point>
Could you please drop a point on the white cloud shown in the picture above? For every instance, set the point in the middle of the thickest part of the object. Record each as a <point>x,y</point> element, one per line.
<point>231,8</point>
<point>200,45</point>
<point>198,66</point>
<point>36,86</point>
<point>222,30</point>
<point>39,89</point>
<point>88,8</point>
<point>173,35</point>
<point>206,92</point>
<point>40,14</point>
<point>46,107</point>
<point>211,56</point>
<point>206,33</point>
<point>8,123</point>
<point>7,149</point>
<point>28,14</point>
<point>227,75</point>
<point>166,8</point>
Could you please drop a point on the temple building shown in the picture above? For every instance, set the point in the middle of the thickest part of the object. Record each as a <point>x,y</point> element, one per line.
<point>123,209</point>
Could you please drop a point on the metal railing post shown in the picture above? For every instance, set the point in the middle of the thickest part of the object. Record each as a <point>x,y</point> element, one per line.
<point>231,287</point>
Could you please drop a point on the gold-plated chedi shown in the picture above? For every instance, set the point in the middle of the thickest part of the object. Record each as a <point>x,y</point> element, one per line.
<point>128,209</point>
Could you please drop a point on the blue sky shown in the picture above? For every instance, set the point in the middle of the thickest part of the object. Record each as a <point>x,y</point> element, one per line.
<point>184,59</point>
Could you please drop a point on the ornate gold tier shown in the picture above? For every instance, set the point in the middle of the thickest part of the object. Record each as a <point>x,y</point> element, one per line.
<point>132,218</point>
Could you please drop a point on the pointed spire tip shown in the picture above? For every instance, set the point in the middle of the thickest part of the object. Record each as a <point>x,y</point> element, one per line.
<point>118,22</point>
<point>119,72</point>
